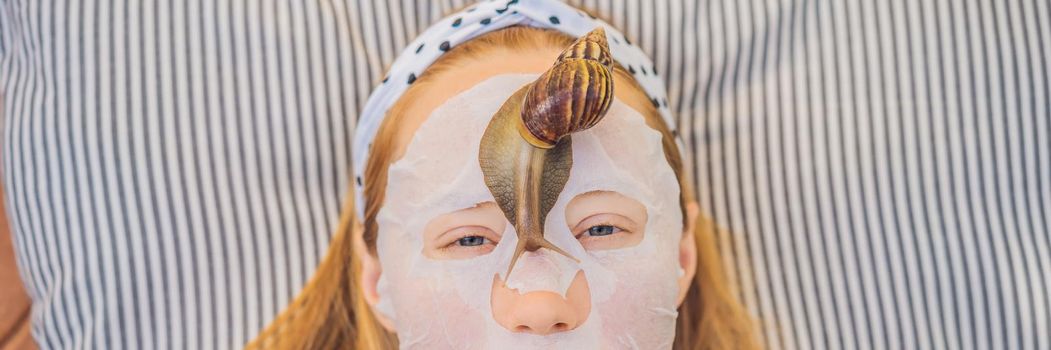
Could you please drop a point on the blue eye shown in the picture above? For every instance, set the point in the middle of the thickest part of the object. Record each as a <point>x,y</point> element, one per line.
<point>471,241</point>
<point>602,230</point>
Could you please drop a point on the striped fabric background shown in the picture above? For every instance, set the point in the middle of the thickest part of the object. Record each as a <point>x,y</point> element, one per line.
<point>174,168</point>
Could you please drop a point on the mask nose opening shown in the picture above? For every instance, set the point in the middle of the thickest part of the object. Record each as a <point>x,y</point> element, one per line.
<point>541,312</point>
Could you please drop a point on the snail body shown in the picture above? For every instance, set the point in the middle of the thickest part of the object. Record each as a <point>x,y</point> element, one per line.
<point>526,150</point>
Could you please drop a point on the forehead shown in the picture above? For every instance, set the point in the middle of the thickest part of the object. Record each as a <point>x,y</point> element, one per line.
<point>438,86</point>
<point>446,144</point>
<point>470,72</point>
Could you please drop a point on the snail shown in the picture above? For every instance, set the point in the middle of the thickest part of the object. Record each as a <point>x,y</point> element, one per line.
<point>526,150</point>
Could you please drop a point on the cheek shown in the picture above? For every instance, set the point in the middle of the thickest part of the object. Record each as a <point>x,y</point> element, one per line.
<point>431,316</point>
<point>645,294</point>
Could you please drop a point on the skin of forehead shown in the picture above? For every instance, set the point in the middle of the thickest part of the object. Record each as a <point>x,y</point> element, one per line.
<point>470,71</point>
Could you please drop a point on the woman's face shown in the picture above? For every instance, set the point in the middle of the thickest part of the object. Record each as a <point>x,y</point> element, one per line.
<point>444,246</point>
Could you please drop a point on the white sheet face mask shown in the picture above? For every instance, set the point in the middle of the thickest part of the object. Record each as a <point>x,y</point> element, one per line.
<point>445,304</point>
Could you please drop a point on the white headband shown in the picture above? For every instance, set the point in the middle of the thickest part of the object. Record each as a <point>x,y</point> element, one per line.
<point>479,19</point>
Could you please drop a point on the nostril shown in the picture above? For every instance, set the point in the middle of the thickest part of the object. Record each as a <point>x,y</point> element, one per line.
<point>541,312</point>
<point>555,328</point>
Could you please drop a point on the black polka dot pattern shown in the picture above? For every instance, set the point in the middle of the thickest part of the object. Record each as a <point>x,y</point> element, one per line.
<point>554,20</point>
<point>444,46</point>
<point>419,48</point>
<point>486,21</point>
<point>412,78</point>
<point>457,22</point>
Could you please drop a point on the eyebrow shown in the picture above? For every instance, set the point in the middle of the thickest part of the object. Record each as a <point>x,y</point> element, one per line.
<point>590,195</point>
<point>477,207</point>
<point>585,219</point>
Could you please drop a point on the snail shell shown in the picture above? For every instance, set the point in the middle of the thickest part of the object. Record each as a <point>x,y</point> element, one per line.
<point>573,95</point>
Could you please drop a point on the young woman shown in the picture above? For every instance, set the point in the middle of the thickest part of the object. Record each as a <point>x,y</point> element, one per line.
<point>520,188</point>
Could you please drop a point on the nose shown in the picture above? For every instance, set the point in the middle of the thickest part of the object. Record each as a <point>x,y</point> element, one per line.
<point>541,312</point>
